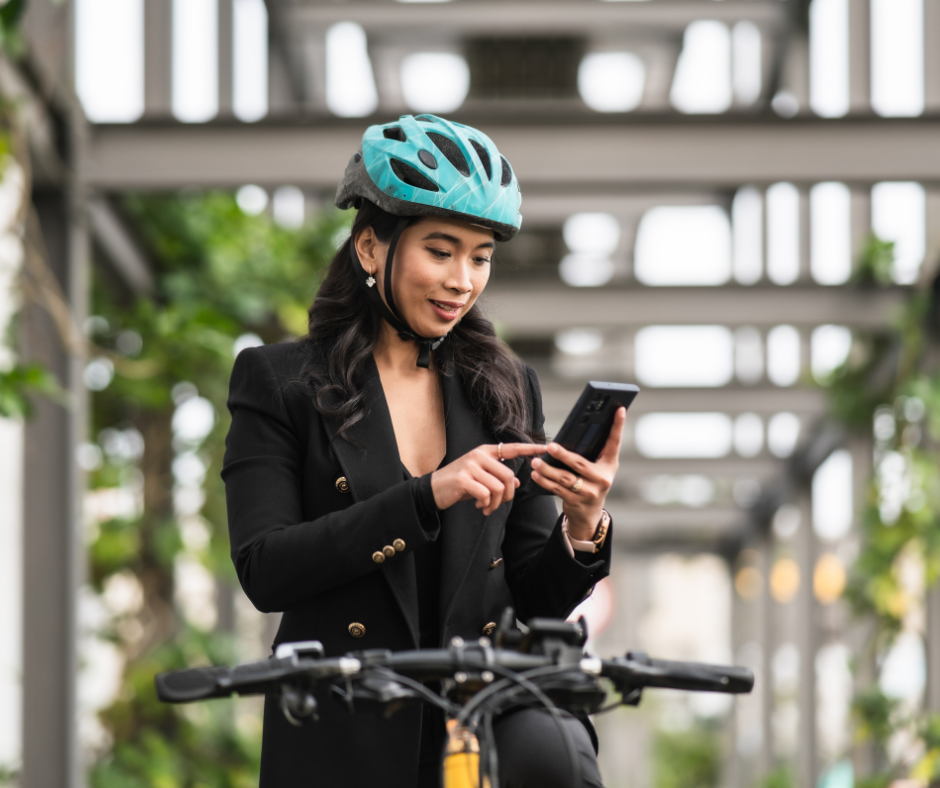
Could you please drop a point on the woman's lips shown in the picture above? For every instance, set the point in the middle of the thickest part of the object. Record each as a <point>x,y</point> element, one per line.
<point>447,310</point>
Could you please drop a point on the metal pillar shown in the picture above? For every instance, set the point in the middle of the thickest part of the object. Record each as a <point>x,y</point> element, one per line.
<point>768,643</point>
<point>860,56</point>
<point>50,539</point>
<point>931,56</point>
<point>226,57</point>
<point>158,58</point>
<point>806,548</point>
<point>931,263</point>
<point>860,221</point>
<point>806,230</point>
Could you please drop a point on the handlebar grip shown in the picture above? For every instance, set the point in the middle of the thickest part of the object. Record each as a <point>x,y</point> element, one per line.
<point>666,674</point>
<point>702,677</point>
<point>185,686</point>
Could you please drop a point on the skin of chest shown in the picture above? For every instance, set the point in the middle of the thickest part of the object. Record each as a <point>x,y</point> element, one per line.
<point>417,411</point>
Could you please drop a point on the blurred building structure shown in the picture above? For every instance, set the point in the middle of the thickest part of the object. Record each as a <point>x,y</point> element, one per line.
<point>775,161</point>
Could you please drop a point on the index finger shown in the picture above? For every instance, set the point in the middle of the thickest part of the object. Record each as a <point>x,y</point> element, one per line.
<point>512,450</point>
<point>611,450</point>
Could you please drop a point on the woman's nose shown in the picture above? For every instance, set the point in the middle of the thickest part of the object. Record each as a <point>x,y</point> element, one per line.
<point>460,279</point>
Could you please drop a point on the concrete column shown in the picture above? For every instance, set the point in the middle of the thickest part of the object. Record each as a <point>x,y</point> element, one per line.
<point>807,643</point>
<point>859,56</point>
<point>226,57</point>
<point>158,58</point>
<point>932,56</point>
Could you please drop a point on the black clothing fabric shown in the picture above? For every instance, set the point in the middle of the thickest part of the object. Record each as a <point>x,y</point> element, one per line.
<point>427,564</point>
<point>309,515</point>
<point>532,751</point>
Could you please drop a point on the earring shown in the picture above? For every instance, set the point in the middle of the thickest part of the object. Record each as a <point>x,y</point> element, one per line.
<point>371,280</point>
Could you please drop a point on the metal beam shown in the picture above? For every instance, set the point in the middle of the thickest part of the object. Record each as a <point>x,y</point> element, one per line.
<point>762,466</point>
<point>539,310</point>
<point>551,153</point>
<point>515,17</point>
<point>557,399</point>
<point>120,247</point>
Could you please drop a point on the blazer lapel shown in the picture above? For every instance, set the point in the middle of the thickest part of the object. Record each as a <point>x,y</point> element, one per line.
<point>371,464</point>
<point>462,525</point>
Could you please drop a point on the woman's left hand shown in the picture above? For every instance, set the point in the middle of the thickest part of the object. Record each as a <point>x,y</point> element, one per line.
<point>584,505</point>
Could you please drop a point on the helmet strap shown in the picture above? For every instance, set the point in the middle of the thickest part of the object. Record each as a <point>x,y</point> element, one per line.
<point>387,309</point>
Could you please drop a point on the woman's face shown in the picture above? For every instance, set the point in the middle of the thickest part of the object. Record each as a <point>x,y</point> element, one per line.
<point>441,267</point>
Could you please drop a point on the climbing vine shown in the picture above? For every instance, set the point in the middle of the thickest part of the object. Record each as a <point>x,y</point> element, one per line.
<point>889,388</point>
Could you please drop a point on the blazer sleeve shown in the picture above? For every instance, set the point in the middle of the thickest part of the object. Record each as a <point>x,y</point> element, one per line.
<point>544,578</point>
<point>280,558</point>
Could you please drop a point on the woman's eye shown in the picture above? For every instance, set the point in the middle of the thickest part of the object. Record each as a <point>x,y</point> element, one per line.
<point>482,260</point>
<point>439,253</point>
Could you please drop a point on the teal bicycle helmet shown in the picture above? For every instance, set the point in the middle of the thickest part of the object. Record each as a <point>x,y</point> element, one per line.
<point>428,166</point>
<point>425,165</point>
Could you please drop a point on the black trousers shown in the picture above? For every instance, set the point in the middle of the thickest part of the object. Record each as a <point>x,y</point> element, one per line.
<point>530,747</point>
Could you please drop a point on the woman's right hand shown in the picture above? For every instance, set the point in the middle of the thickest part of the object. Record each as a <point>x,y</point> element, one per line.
<point>480,475</point>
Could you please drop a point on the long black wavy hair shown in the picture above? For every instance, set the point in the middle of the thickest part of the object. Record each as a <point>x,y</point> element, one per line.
<point>344,329</point>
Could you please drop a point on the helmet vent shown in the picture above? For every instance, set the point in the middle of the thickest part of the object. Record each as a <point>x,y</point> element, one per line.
<point>425,118</point>
<point>507,173</point>
<point>451,152</point>
<point>412,177</point>
<point>484,158</point>
<point>395,133</point>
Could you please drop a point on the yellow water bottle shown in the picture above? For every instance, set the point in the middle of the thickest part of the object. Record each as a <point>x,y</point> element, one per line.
<point>462,761</point>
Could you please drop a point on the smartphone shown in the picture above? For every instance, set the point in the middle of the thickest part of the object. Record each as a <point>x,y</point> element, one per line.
<point>586,429</point>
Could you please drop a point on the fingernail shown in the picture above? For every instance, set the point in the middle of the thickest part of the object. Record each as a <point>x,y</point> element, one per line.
<point>553,447</point>
<point>536,462</point>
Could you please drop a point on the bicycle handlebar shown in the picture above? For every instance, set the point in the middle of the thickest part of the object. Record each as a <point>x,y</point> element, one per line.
<point>634,671</point>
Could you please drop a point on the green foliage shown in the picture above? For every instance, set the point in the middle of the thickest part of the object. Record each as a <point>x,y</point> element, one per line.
<point>688,759</point>
<point>780,777</point>
<point>8,776</point>
<point>11,14</point>
<point>875,716</point>
<point>218,275</point>
<point>875,263</point>
<point>157,745</point>
<point>22,381</point>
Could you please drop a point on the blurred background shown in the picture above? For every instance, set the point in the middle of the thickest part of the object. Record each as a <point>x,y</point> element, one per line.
<point>733,203</point>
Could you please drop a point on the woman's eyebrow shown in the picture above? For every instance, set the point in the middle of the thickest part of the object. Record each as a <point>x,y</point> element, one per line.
<point>439,236</point>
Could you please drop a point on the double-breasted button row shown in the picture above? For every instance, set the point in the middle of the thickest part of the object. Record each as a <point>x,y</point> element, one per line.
<point>388,551</point>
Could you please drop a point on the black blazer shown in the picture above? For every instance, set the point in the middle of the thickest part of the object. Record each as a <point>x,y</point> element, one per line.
<point>304,540</point>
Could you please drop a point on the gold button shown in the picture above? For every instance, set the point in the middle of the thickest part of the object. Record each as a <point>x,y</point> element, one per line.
<point>496,562</point>
<point>357,630</point>
<point>489,629</point>
<point>378,557</point>
<point>342,485</point>
<point>399,545</point>
<point>388,550</point>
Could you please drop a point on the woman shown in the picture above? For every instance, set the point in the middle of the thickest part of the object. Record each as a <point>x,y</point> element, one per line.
<point>383,475</point>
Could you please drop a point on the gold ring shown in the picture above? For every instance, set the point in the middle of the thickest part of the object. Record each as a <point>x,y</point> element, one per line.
<point>499,451</point>
<point>578,484</point>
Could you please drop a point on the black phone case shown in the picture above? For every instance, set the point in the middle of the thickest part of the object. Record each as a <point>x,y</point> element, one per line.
<point>588,424</point>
